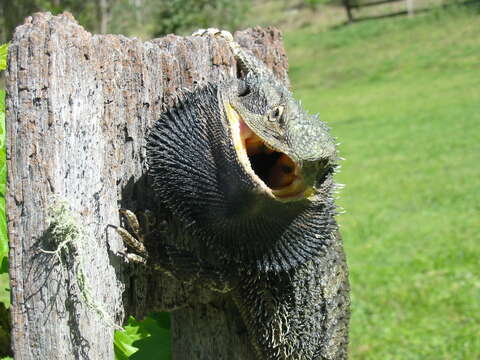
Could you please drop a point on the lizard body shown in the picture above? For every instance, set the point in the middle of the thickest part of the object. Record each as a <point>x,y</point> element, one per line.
<point>249,173</point>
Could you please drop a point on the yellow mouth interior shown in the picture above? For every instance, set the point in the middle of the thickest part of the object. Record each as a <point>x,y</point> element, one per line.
<point>275,171</point>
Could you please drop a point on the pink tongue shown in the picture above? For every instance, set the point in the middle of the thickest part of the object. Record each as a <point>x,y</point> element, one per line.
<point>245,131</point>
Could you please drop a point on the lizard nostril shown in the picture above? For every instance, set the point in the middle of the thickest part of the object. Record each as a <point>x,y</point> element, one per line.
<point>243,89</point>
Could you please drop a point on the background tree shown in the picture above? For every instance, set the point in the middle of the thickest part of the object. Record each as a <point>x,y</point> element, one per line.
<point>146,18</point>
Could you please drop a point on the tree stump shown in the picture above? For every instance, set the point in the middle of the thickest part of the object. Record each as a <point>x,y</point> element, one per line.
<point>78,108</point>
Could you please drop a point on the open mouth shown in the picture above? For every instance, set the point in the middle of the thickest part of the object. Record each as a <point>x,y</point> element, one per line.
<point>275,171</point>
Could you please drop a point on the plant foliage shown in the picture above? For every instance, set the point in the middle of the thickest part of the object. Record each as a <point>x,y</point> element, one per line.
<point>144,340</point>
<point>5,321</point>
<point>3,170</point>
<point>183,16</point>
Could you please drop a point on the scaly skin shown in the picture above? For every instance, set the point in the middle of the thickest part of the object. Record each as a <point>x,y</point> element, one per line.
<point>249,175</point>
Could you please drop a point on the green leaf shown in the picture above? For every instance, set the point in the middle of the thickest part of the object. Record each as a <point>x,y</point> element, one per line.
<point>162,319</point>
<point>122,345</point>
<point>3,236</point>
<point>146,339</point>
<point>2,107</point>
<point>3,178</point>
<point>155,346</point>
<point>123,339</point>
<point>3,56</point>
<point>4,268</point>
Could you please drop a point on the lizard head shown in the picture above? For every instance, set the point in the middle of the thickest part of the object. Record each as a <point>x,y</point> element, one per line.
<point>245,176</point>
<point>246,170</point>
<point>286,151</point>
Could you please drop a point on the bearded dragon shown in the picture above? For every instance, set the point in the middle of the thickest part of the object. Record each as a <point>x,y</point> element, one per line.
<point>248,173</point>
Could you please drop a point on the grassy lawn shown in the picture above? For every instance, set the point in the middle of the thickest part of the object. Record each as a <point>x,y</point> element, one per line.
<point>403,98</point>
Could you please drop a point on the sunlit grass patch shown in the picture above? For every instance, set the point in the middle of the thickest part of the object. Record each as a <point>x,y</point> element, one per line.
<point>403,98</point>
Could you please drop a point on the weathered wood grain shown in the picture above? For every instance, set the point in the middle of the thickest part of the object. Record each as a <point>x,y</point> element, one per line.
<point>78,108</point>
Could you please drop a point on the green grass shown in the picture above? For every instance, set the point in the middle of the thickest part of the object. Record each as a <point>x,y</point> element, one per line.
<point>403,98</point>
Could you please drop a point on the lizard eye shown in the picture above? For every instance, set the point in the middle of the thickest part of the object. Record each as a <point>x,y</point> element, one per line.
<point>276,113</point>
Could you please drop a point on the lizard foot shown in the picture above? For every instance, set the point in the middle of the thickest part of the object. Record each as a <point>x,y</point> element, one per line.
<point>181,264</point>
<point>135,238</point>
<point>247,61</point>
<point>224,34</point>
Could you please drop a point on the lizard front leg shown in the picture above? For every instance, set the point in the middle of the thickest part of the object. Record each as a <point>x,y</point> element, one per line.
<point>135,241</point>
<point>246,60</point>
<point>181,264</point>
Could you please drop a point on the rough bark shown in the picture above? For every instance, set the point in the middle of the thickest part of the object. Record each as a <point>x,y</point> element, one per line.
<point>78,108</point>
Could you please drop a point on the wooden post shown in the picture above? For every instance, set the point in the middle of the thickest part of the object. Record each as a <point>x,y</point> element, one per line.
<point>78,108</point>
<point>410,7</point>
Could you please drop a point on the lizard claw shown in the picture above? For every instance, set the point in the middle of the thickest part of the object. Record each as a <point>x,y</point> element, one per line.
<point>135,238</point>
<point>224,34</point>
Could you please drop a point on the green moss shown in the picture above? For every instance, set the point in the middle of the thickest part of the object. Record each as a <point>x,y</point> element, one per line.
<point>68,239</point>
